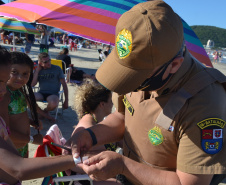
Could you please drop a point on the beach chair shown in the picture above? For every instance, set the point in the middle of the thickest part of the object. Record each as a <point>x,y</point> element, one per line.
<point>54,134</point>
<point>62,65</point>
<point>59,63</point>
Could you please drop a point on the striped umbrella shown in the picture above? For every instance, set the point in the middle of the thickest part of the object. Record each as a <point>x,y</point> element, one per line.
<point>91,19</point>
<point>14,25</point>
<point>194,45</point>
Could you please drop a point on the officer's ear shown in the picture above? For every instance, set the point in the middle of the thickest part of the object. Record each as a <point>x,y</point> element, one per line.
<point>175,64</point>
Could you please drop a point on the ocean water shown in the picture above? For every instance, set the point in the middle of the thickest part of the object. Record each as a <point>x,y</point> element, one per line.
<point>222,60</point>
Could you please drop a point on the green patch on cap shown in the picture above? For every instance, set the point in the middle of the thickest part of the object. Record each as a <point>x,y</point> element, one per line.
<point>124,43</point>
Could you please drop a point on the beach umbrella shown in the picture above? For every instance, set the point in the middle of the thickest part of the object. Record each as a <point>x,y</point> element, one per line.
<point>71,35</point>
<point>195,46</point>
<point>91,19</point>
<point>14,25</point>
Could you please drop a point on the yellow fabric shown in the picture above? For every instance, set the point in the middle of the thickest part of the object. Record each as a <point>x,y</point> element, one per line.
<point>57,63</point>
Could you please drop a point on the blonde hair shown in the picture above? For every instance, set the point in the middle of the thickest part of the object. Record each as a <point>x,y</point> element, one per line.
<point>88,96</point>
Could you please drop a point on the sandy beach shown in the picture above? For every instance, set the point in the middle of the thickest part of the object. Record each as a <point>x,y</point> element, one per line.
<point>87,60</point>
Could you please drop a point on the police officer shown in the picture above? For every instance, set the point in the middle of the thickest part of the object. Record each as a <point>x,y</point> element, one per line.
<point>170,109</point>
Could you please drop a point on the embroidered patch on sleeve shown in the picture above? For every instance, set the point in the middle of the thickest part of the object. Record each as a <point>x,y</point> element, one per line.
<point>212,134</point>
<point>128,105</point>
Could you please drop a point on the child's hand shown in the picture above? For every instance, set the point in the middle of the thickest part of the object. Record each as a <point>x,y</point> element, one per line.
<point>38,139</point>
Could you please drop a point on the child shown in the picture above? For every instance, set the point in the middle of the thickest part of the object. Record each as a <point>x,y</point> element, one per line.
<point>101,56</point>
<point>20,90</point>
<point>13,168</point>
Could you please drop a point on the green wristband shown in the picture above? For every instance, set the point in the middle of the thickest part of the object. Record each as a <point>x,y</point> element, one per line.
<point>94,139</point>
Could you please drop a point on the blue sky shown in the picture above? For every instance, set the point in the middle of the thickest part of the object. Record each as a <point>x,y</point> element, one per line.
<point>199,12</point>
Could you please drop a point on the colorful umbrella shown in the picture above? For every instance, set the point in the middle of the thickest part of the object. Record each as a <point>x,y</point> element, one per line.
<point>14,25</point>
<point>91,19</point>
<point>194,45</point>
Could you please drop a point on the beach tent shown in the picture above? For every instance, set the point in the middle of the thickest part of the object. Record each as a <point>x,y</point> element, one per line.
<point>91,19</point>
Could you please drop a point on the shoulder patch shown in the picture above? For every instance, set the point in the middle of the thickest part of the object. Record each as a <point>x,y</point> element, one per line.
<point>128,105</point>
<point>212,134</point>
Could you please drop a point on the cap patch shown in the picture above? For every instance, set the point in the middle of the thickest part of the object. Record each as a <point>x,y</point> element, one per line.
<point>212,134</point>
<point>155,136</point>
<point>124,43</point>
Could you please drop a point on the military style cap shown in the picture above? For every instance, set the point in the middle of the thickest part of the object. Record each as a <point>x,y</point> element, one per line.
<point>147,36</point>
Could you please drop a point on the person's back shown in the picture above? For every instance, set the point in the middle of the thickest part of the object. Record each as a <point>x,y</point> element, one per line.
<point>64,56</point>
<point>31,37</point>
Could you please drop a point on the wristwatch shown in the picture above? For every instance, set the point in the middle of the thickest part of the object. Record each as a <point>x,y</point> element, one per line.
<point>31,139</point>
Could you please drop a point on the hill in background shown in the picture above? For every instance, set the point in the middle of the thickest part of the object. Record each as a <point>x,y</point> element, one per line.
<point>205,33</point>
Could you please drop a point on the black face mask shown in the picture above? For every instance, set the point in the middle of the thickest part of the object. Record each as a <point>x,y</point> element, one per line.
<point>155,81</point>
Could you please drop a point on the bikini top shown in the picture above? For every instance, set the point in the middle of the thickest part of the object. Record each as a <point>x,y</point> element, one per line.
<point>4,130</point>
<point>18,102</point>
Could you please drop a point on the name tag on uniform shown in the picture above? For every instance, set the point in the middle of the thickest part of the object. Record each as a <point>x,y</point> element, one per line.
<point>128,105</point>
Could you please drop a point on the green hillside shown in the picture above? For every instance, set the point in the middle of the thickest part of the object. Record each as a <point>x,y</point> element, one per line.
<point>205,33</point>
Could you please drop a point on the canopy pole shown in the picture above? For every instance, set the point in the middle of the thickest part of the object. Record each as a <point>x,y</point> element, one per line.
<point>13,41</point>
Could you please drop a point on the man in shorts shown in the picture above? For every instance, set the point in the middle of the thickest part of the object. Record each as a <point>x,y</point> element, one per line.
<point>30,38</point>
<point>50,78</point>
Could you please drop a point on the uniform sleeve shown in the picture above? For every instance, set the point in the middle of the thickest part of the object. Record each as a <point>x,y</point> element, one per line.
<point>202,144</point>
<point>118,103</point>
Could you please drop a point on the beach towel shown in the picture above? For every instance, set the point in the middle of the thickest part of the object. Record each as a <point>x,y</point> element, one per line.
<point>53,135</point>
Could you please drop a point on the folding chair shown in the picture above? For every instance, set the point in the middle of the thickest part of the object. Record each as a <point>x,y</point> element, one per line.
<point>59,63</point>
<point>56,135</point>
<point>62,65</point>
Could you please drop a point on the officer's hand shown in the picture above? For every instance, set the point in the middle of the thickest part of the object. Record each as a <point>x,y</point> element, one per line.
<point>38,139</point>
<point>103,166</point>
<point>80,142</point>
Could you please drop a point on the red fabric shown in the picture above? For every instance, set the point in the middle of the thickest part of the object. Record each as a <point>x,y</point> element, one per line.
<point>40,152</point>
